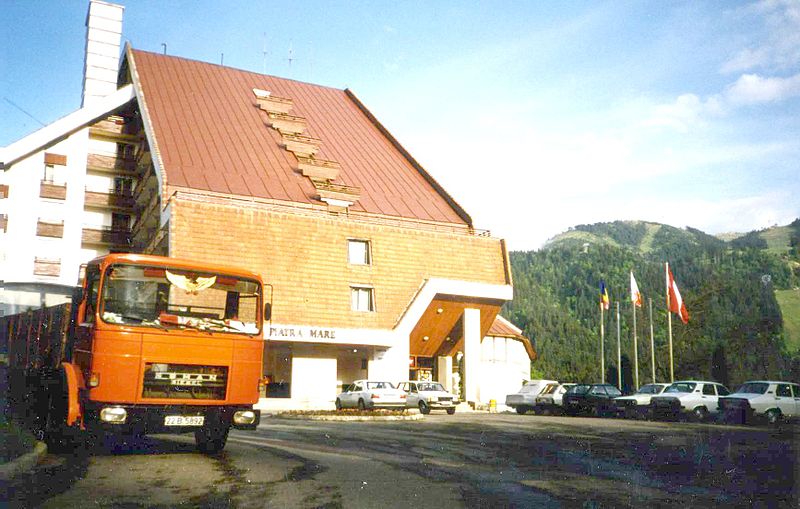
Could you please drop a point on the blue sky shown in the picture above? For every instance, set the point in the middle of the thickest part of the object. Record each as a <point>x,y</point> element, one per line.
<point>535,116</point>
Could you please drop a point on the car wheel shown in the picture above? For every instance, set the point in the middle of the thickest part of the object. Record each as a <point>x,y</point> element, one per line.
<point>521,409</point>
<point>424,408</point>
<point>700,414</point>
<point>361,405</point>
<point>451,411</point>
<point>773,416</point>
<point>338,404</point>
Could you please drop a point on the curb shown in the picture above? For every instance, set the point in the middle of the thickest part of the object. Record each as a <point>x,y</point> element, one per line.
<point>410,417</point>
<point>24,463</point>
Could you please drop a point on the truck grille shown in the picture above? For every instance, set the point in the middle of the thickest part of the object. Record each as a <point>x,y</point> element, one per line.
<point>184,381</point>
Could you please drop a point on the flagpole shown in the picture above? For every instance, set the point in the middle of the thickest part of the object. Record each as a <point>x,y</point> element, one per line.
<point>635,350</point>
<point>652,341</point>
<point>602,345</point>
<point>619,353</point>
<point>669,324</point>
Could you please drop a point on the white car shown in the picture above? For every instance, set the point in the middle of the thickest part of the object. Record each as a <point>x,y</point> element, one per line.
<point>428,396</point>
<point>689,397</point>
<point>551,399</point>
<point>525,398</point>
<point>368,394</point>
<point>638,403</point>
<point>771,400</point>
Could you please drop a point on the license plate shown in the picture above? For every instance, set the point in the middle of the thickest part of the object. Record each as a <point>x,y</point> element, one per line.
<point>184,420</point>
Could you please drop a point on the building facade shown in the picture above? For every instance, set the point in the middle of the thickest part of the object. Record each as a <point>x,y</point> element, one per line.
<point>374,270</point>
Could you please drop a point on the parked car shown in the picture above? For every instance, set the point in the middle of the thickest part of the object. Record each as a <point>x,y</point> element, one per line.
<point>688,397</point>
<point>368,394</point>
<point>525,398</point>
<point>551,400</point>
<point>594,399</point>
<point>428,396</point>
<point>763,399</point>
<point>637,404</point>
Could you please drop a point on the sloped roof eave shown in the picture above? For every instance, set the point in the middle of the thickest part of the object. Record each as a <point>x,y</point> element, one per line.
<point>64,126</point>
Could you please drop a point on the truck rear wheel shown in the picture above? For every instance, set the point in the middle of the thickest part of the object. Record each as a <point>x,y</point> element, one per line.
<point>211,440</point>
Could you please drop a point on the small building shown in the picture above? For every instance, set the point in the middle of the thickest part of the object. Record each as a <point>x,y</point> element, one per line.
<point>375,271</point>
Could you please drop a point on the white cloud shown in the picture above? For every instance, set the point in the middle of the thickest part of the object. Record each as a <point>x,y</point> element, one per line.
<point>686,111</point>
<point>775,30</point>
<point>753,89</point>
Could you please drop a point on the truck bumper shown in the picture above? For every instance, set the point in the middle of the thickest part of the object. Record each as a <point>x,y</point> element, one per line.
<point>150,419</point>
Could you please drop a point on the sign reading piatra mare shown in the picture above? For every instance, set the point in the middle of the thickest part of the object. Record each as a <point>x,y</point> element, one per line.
<point>301,333</point>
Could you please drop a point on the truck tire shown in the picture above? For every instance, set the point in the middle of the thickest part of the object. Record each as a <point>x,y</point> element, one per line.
<point>211,440</point>
<point>53,424</point>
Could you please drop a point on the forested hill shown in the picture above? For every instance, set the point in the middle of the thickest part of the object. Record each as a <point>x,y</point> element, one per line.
<point>734,291</point>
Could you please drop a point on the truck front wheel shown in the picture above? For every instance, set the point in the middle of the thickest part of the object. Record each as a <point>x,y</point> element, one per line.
<point>211,440</point>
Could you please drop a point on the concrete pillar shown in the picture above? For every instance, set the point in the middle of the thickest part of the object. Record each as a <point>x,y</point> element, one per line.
<point>472,353</point>
<point>444,372</point>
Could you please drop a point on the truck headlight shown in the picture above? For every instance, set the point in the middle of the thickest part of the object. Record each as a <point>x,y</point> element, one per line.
<point>113,415</point>
<point>244,417</point>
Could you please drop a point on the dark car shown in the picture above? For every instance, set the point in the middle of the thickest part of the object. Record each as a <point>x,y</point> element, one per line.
<point>592,399</point>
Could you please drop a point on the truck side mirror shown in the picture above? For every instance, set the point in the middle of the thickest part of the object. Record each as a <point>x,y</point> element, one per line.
<point>267,311</point>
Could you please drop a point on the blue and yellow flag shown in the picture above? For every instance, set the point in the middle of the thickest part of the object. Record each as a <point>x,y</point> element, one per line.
<point>604,302</point>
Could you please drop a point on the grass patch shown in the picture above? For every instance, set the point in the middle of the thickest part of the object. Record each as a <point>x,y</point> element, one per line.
<point>789,301</point>
<point>777,239</point>
<point>14,441</point>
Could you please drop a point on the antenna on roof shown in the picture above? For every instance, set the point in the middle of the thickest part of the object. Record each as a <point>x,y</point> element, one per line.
<point>264,53</point>
<point>222,59</point>
<point>164,45</point>
<point>291,55</point>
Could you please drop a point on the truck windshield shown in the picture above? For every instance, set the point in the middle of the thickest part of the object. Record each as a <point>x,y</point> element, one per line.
<point>164,298</point>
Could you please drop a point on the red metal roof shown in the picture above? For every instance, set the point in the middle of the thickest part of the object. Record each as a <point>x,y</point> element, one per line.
<point>502,328</point>
<point>212,136</point>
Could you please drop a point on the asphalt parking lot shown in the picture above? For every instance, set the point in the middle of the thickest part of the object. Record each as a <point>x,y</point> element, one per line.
<point>465,460</point>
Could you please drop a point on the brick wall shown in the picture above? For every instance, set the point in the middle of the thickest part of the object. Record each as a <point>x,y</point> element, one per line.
<point>305,258</point>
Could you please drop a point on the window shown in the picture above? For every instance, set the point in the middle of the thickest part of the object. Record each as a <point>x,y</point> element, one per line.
<point>362,298</point>
<point>598,389</point>
<point>784,391</point>
<point>358,252</point>
<point>722,391</point>
<point>708,390</point>
<point>49,173</point>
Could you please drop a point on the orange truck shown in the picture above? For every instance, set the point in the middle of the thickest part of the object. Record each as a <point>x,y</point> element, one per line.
<point>148,345</point>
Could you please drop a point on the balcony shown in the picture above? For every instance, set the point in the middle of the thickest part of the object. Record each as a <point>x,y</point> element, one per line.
<point>105,235</point>
<point>111,164</point>
<point>108,200</point>
<point>52,190</point>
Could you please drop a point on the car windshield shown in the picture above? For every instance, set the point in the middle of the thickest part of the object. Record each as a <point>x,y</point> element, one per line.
<point>648,389</point>
<point>529,389</point>
<point>612,391</point>
<point>430,386</point>
<point>578,389</point>
<point>681,387</point>
<point>753,388</point>
<point>166,297</point>
<point>380,385</point>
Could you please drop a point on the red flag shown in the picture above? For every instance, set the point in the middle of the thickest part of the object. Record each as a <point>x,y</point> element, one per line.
<point>675,302</point>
